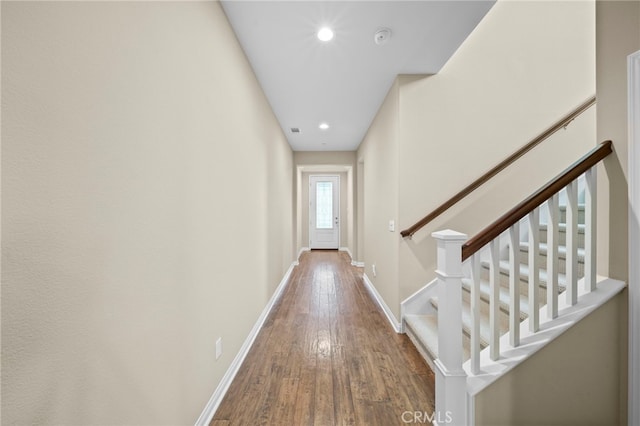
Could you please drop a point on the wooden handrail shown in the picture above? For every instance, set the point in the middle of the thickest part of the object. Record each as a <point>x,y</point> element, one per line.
<point>543,194</point>
<point>563,122</point>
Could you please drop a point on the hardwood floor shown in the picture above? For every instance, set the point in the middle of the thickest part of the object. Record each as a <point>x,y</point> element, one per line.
<point>327,356</point>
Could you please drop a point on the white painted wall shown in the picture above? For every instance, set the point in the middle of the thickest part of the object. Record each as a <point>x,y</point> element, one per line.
<point>146,209</point>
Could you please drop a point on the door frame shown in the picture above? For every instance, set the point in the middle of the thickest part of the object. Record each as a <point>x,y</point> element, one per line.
<point>321,175</point>
<point>634,237</point>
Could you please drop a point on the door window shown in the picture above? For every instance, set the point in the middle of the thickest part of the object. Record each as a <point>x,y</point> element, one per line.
<point>324,205</point>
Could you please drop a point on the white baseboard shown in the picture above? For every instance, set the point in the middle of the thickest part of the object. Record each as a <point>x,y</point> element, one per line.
<point>387,311</point>
<point>302,250</point>
<point>346,249</point>
<point>353,261</point>
<point>215,400</point>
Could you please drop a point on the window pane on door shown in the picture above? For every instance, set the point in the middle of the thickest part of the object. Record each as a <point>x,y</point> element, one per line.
<point>324,205</point>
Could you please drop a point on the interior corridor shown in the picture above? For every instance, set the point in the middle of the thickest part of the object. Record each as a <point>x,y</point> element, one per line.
<point>327,355</point>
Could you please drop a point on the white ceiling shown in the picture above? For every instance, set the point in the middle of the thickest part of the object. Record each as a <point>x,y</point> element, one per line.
<point>344,81</point>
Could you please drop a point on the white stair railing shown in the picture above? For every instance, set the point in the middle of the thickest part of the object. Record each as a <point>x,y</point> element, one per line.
<point>451,394</point>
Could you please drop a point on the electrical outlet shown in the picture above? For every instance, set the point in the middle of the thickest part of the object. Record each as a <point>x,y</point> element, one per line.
<point>392,226</point>
<point>373,268</point>
<point>218,348</point>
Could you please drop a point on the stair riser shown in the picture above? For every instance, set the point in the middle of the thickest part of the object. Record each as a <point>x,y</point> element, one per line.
<point>562,237</point>
<point>563,215</point>
<point>485,308</point>
<point>524,285</point>
<point>542,262</point>
<point>484,311</point>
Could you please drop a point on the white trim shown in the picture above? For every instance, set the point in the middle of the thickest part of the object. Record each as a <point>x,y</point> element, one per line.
<point>302,250</point>
<point>418,302</point>
<point>471,409</point>
<point>215,400</point>
<point>312,214</point>
<point>346,249</point>
<point>353,262</point>
<point>419,294</point>
<point>633,62</point>
<point>385,308</point>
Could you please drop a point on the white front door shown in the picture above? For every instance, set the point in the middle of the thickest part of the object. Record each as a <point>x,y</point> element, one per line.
<point>324,216</point>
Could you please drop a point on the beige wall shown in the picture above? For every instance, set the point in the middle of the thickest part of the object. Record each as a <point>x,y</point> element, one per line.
<point>378,160</point>
<point>551,388</point>
<point>135,136</point>
<point>526,65</point>
<point>617,36</point>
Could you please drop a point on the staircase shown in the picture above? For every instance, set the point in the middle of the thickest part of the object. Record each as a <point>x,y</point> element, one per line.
<point>422,328</point>
<point>511,289</point>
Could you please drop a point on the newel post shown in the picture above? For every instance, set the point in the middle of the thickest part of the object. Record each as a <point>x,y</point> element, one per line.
<point>451,380</point>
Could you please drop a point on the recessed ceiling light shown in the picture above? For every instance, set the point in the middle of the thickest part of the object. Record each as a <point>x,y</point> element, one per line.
<point>325,34</point>
<point>323,126</point>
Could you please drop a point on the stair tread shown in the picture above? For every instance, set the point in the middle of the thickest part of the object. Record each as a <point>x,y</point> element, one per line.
<point>563,207</point>
<point>485,329</point>
<point>562,227</point>
<point>505,297</point>
<point>524,273</point>
<point>425,328</point>
<point>562,250</point>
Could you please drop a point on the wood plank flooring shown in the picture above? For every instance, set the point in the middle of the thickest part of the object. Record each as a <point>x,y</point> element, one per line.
<point>327,356</point>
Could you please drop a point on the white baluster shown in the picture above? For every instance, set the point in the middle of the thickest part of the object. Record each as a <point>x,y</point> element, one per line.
<point>572,243</point>
<point>552,257</point>
<point>590,249</point>
<point>475,313</point>
<point>451,379</point>
<point>494,300</point>
<point>514,284</point>
<point>534,270</point>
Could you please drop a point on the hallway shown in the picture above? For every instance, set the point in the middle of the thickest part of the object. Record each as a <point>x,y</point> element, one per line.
<point>326,355</point>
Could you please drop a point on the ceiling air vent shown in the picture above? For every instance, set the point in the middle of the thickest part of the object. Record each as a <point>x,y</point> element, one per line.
<point>295,130</point>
